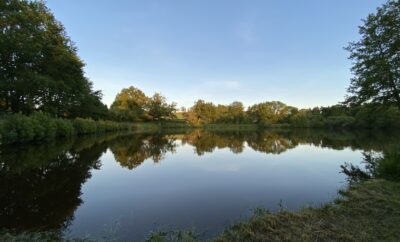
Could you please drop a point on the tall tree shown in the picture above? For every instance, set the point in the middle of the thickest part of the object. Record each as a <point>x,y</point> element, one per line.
<point>376,58</point>
<point>158,108</point>
<point>39,66</point>
<point>130,104</point>
<point>270,112</point>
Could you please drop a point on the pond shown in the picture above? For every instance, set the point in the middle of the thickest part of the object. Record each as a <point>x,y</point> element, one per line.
<point>123,186</point>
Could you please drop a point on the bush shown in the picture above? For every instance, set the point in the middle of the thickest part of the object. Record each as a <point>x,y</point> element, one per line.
<point>65,128</point>
<point>16,127</point>
<point>85,126</point>
<point>40,126</point>
<point>339,122</point>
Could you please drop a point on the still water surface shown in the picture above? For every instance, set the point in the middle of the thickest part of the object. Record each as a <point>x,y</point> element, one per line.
<point>123,187</point>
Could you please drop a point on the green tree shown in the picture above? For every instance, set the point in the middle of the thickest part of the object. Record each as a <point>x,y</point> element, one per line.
<point>158,108</point>
<point>270,112</point>
<point>236,112</point>
<point>376,58</point>
<point>203,112</point>
<point>130,104</point>
<point>39,66</point>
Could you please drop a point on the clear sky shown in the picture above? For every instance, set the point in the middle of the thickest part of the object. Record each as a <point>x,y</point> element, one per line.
<point>217,50</point>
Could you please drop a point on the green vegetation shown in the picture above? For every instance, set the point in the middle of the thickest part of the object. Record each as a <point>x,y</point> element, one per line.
<point>278,114</point>
<point>131,104</point>
<point>40,69</point>
<point>376,58</point>
<point>40,126</point>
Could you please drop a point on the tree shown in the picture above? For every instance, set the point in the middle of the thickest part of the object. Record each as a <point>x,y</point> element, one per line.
<point>158,108</point>
<point>203,112</point>
<point>376,58</point>
<point>39,66</point>
<point>130,104</point>
<point>236,112</point>
<point>270,112</point>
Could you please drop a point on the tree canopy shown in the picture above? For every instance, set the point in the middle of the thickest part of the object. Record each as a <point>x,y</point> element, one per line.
<point>131,104</point>
<point>39,65</point>
<point>376,58</point>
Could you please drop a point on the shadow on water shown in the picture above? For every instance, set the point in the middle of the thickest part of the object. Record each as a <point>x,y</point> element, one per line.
<point>41,184</point>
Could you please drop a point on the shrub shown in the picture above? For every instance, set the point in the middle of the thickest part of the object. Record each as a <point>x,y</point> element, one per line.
<point>40,126</point>
<point>65,128</point>
<point>85,126</point>
<point>339,122</point>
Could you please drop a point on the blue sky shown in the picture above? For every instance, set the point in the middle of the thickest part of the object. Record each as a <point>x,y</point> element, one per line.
<point>217,50</point>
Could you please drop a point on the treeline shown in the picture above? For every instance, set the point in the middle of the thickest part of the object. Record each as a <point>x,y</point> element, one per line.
<point>277,113</point>
<point>132,105</point>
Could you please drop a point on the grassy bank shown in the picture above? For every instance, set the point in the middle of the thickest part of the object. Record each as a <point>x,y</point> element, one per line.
<point>18,128</point>
<point>368,211</point>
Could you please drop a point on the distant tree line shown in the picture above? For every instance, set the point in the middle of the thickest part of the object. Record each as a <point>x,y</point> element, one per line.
<point>273,113</point>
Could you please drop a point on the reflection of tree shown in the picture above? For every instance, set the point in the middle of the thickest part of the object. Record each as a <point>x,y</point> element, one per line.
<point>278,141</point>
<point>341,139</point>
<point>270,143</point>
<point>131,151</point>
<point>266,142</point>
<point>41,185</point>
<point>205,141</point>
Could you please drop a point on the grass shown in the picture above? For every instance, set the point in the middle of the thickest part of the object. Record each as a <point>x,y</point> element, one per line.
<point>367,211</point>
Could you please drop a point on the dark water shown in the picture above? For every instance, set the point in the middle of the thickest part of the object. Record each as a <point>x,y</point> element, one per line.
<point>124,186</point>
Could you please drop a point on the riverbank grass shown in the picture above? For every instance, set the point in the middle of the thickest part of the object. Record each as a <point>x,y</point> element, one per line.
<point>368,211</point>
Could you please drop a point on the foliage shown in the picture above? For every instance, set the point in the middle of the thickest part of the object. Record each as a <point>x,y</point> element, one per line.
<point>173,236</point>
<point>40,69</point>
<point>278,114</point>
<point>385,166</point>
<point>376,58</point>
<point>270,112</point>
<point>41,126</point>
<point>202,113</point>
<point>158,108</point>
<point>131,104</point>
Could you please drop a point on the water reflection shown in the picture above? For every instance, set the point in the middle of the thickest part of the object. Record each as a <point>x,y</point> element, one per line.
<point>41,184</point>
<point>136,149</point>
